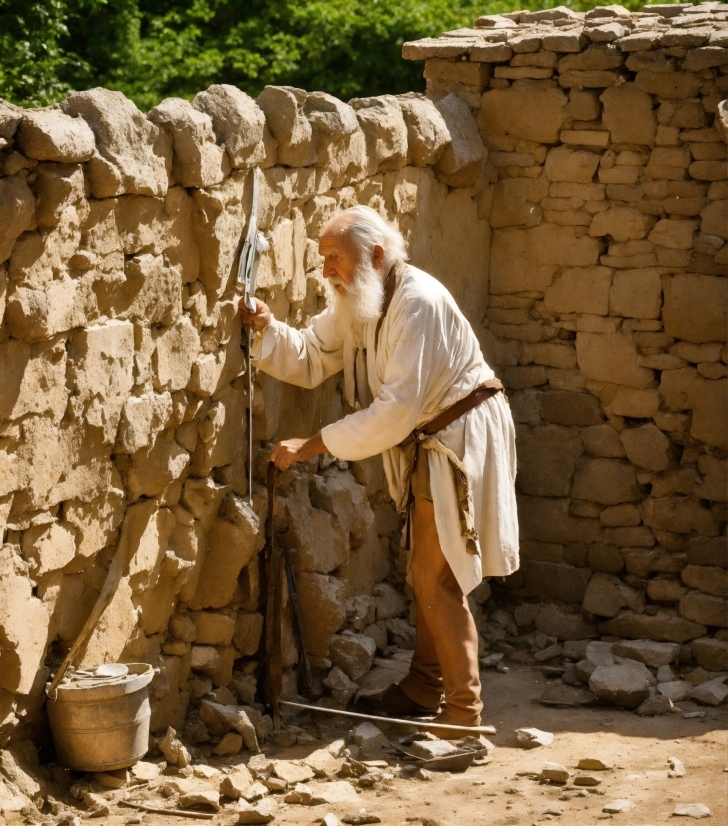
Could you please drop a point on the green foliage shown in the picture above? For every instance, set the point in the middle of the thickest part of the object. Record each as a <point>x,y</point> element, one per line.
<point>152,49</point>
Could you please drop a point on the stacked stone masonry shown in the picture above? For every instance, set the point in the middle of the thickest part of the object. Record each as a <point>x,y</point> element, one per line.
<point>124,407</point>
<point>565,177</point>
<point>606,136</point>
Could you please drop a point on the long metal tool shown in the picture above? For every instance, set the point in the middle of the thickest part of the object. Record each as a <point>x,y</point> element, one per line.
<point>255,243</point>
<point>397,721</point>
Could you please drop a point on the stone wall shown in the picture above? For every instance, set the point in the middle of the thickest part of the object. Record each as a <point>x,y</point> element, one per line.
<point>607,304</point>
<point>123,411</point>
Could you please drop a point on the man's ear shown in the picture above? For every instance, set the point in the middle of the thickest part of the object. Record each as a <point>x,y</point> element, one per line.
<point>377,256</point>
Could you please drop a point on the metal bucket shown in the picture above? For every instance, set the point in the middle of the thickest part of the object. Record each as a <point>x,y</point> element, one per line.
<point>99,722</point>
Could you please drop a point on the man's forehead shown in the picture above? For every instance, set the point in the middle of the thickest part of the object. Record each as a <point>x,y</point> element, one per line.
<point>334,240</point>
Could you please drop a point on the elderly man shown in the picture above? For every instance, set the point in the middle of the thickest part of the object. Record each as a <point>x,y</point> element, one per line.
<point>424,398</point>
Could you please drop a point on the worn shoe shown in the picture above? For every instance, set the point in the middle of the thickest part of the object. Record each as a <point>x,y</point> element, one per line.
<point>444,719</point>
<point>395,703</point>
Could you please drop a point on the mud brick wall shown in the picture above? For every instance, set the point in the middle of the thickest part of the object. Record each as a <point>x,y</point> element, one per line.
<point>123,398</point>
<point>607,303</point>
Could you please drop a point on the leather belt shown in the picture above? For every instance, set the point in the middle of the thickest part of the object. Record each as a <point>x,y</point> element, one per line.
<point>478,396</point>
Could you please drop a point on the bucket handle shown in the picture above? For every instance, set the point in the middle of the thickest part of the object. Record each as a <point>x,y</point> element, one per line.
<point>113,577</point>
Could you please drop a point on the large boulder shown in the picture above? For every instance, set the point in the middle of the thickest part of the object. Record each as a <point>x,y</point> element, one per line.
<point>462,159</point>
<point>237,121</point>
<point>17,207</point>
<point>427,132</point>
<point>197,160</point>
<point>133,155</point>
<point>234,538</point>
<point>287,122</point>
<point>380,118</point>
<point>51,135</point>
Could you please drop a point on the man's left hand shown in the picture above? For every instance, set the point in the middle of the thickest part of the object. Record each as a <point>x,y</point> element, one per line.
<point>285,453</point>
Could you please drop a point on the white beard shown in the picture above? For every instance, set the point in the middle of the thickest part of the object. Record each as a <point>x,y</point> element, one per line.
<point>361,304</point>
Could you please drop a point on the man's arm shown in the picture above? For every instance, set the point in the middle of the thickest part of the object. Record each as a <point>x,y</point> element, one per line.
<point>305,358</point>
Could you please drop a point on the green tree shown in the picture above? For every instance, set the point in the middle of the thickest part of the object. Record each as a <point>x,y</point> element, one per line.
<point>152,49</point>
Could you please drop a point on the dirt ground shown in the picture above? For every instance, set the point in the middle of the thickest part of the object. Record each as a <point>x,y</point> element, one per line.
<point>500,793</point>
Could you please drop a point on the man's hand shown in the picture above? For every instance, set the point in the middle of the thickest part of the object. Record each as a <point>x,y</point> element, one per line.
<point>260,319</point>
<point>285,453</point>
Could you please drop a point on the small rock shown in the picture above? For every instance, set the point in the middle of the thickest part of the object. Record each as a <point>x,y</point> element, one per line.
<point>205,772</point>
<point>586,780</point>
<point>694,715</point>
<point>593,764</point>
<point>531,738</point>
<point>599,653</point>
<point>369,739</point>
<point>223,696</point>
<point>677,766</point>
<point>97,805</point>
<point>235,784</point>
<point>336,793</point>
<point>549,653</point>
<point>502,668</point>
<point>112,779</point>
<point>618,807</point>
<point>231,743</point>
<point>655,705</point>
<point>677,690</point>
<point>619,684</point>
<point>200,798</point>
<point>361,818</point>
<point>144,772</point>
<point>275,784</point>
<point>330,820</point>
<point>220,719</point>
<point>429,749</point>
<point>696,810</point>
<point>554,811</point>
<point>300,794</point>
<point>555,772</point>
<point>699,675</point>
<point>648,652</point>
<point>712,693</point>
<point>261,812</point>
<point>665,674</point>
<point>575,649</point>
<point>173,750</point>
<point>292,772</point>
<point>424,774</point>
<point>490,660</point>
<point>323,763</point>
<point>255,792</point>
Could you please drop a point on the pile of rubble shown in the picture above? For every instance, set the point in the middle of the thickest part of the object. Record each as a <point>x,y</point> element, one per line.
<point>645,675</point>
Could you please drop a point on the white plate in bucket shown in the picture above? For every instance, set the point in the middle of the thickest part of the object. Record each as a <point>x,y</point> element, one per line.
<point>111,671</point>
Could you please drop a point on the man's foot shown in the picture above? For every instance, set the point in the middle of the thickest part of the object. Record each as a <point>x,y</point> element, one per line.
<point>395,703</point>
<point>444,719</point>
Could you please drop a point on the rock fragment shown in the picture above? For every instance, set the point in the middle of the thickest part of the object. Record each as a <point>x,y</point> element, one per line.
<point>531,738</point>
<point>655,705</point>
<point>200,799</point>
<point>677,767</point>
<point>555,772</point>
<point>696,810</point>
<point>619,806</point>
<point>712,693</point>
<point>593,764</point>
<point>369,739</point>
<point>261,812</point>
<point>619,684</point>
<point>174,750</point>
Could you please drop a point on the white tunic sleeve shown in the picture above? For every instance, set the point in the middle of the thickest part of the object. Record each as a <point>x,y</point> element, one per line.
<point>302,357</point>
<point>394,413</point>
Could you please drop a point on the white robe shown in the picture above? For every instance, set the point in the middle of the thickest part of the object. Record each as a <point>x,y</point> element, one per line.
<point>428,358</point>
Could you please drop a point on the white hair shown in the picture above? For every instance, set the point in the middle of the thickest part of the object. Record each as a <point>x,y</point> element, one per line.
<point>368,229</point>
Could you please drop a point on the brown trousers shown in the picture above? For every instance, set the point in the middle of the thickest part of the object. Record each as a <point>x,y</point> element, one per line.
<point>446,652</point>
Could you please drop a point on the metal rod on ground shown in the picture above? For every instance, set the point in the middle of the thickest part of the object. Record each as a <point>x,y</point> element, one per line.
<point>392,720</point>
<point>159,811</point>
